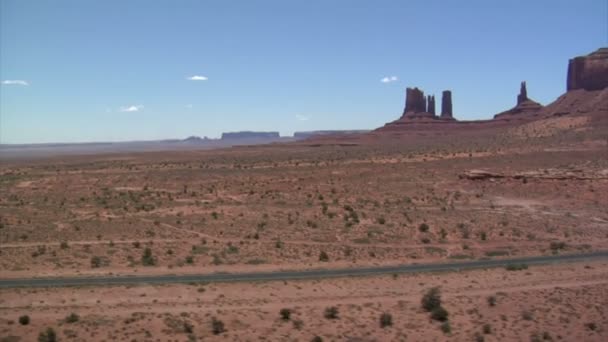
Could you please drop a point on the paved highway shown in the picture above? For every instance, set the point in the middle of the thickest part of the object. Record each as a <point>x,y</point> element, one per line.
<point>292,275</point>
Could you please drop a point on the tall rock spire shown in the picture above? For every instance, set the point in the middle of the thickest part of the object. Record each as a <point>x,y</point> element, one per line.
<point>446,104</point>
<point>523,93</point>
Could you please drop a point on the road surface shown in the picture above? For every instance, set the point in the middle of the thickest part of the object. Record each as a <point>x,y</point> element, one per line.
<point>292,275</point>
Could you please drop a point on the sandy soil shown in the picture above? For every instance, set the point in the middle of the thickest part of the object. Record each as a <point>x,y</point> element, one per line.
<point>560,302</point>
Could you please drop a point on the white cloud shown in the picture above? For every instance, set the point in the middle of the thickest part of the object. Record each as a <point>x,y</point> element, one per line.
<point>136,108</point>
<point>197,78</point>
<point>15,82</point>
<point>189,106</point>
<point>389,79</point>
<point>302,117</point>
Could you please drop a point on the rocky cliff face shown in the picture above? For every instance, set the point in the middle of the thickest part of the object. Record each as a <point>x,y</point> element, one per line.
<point>589,72</point>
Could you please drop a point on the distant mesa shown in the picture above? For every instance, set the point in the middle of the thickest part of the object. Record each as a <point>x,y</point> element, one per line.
<point>309,134</point>
<point>250,135</point>
<point>589,72</point>
<point>524,105</point>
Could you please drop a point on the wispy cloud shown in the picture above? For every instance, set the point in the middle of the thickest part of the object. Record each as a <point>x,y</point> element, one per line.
<point>302,117</point>
<point>197,78</point>
<point>189,105</point>
<point>389,79</point>
<point>129,109</point>
<point>16,82</point>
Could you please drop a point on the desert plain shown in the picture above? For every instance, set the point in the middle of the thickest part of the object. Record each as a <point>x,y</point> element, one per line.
<point>536,188</point>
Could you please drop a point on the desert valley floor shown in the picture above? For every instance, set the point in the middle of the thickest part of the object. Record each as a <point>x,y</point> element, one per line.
<point>535,189</point>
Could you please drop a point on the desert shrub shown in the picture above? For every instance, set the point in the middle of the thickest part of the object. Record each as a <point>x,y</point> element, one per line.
<point>527,315</point>
<point>147,259</point>
<point>331,312</point>
<point>317,339</point>
<point>24,320</point>
<point>48,335</point>
<point>188,328</point>
<point>386,320</point>
<point>217,326</point>
<point>72,318</point>
<point>425,240</point>
<point>439,314</point>
<point>285,314</point>
<point>64,245</point>
<point>492,301</point>
<point>381,220</point>
<point>95,262</point>
<point>431,299</point>
<point>516,267</point>
<point>591,326</point>
<point>323,256</point>
<point>487,329</point>
<point>479,337</point>
<point>557,245</point>
<point>189,259</point>
<point>423,227</point>
<point>446,328</point>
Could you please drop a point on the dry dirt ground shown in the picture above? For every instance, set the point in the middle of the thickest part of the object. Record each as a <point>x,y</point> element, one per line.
<point>393,200</point>
<point>543,303</point>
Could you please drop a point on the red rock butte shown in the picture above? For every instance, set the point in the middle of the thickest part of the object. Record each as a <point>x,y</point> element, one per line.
<point>589,72</point>
<point>587,92</point>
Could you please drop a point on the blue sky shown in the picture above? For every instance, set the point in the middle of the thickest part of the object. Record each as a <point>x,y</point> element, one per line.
<point>118,70</point>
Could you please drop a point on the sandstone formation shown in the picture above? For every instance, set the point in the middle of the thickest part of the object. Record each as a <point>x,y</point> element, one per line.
<point>523,93</point>
<point>589,72</point>
<point>446,104</point>
<point>414,101</point>
<point>430,107</point>
<point>524,105</point>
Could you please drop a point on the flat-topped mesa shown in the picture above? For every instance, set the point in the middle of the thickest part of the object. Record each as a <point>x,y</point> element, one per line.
<point>446,105</point>
<point>414,101</point>
<point>589,72</point>
<point>430,106</point>
<point>524,105</point>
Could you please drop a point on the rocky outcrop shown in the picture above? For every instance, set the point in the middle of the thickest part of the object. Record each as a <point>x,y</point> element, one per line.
<point>567,173</point>
<point>430,104</point>
<point>589,72</point>
<point>524,105</point>
<point>414,101</point>
<point>446,105</point>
